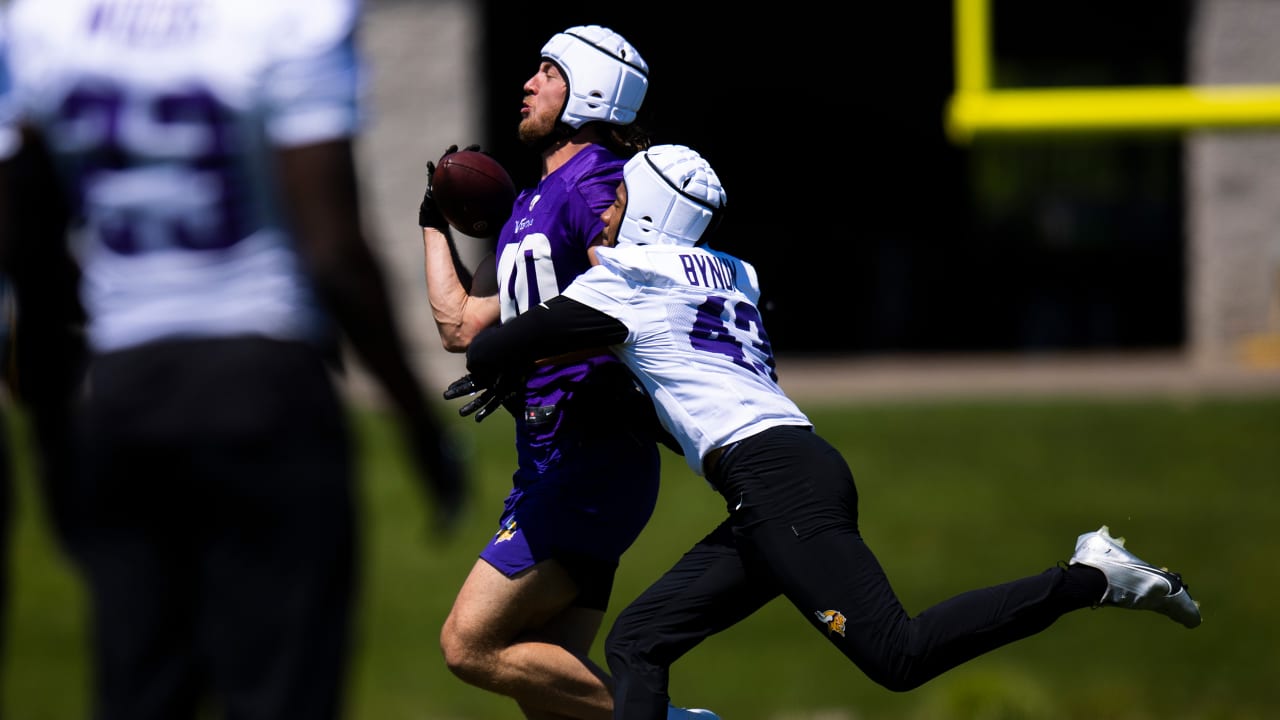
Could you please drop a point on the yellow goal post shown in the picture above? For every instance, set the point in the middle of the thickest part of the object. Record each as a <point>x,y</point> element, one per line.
<point>976,108</point>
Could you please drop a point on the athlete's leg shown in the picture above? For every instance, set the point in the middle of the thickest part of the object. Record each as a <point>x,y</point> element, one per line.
<point>522,637</point>
<point>278,566</point>
<point>525,619</point>
<point>134,539</point>
<point>802,525</point>
<point>576,629</point>
<point>706,591</point>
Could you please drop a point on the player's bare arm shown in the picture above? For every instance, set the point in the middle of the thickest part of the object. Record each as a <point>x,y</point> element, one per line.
<point>459,313</point>
<point>462,302</point>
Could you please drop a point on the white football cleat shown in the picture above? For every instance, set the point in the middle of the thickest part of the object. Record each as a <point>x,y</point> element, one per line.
<point>1133,582</point>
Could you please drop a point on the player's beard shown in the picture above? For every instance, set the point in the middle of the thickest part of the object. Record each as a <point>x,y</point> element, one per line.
<point>540,132</point>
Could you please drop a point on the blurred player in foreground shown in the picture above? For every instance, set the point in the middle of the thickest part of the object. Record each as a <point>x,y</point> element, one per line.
<point>206,151</point>
<point>586,484</point>
<point>684,319</point>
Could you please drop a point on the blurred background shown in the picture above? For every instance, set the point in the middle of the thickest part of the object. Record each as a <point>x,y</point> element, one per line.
<point>878,234</point>
<point>901,257</point>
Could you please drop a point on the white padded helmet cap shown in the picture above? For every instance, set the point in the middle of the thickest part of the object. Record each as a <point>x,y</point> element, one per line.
<point>672,196</point>
<point>607,77</point>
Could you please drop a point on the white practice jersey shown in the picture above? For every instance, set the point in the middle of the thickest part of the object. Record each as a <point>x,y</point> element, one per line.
<point>694,339</point>
<point>162,116</point>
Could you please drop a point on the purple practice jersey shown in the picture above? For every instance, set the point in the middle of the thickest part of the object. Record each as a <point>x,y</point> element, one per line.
<point>541,249</point>
<point>588,464</point>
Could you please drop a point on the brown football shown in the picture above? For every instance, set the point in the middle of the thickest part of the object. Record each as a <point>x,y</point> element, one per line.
<point>473,192</point>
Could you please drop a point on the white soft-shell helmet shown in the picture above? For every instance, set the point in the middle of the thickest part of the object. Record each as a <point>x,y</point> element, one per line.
<point>672,197</point>
<point>607,77</point>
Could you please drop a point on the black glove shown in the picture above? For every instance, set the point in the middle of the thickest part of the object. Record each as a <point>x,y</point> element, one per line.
<point>429,215</point>
<point>492,395</point>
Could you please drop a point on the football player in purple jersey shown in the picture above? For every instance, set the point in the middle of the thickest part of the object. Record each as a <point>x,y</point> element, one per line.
<point>685,319</point>
<point>204,150</point>
<point>586,480</point>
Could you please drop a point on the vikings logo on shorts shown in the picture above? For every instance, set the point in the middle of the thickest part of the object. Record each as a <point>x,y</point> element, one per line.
<point>507,531</point>
<point>833,619</point>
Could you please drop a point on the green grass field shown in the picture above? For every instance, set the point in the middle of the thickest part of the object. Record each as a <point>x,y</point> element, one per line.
<point>953,496</point>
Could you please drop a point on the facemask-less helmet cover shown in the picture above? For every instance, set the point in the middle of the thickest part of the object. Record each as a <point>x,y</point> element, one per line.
<point>673,195</point>
<point>607,78</point>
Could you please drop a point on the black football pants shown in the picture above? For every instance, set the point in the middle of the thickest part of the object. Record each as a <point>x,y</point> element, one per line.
<point>213,519</point>
<point>793,530</point>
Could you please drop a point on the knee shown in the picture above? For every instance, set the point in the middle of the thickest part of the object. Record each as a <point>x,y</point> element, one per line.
<point>614,649</point>
<point>465,658</point>
<point>621,650</point>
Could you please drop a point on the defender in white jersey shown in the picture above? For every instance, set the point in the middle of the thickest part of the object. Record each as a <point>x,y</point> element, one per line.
<point>684,318</point>
<point>203,149</point>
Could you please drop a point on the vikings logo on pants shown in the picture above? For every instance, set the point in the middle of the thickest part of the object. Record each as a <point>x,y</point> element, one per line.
<point>507,531</point>
<point>833,619</point>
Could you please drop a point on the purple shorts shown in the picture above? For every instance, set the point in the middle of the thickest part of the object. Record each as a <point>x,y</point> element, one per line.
<point>584,515</point>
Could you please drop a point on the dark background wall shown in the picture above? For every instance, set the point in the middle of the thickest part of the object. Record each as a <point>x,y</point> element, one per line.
<point>872,232</point>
